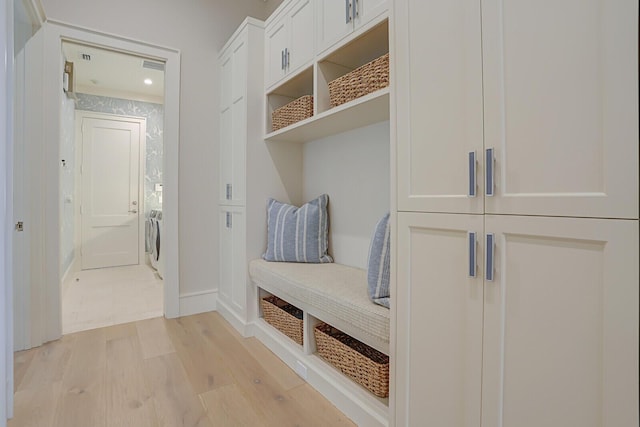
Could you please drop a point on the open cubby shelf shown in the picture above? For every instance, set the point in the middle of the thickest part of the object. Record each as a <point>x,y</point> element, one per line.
<point>367,110</point>
<point>314,80</point>
<point>308,352</point>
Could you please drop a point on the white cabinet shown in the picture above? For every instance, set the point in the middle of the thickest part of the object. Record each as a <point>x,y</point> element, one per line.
<point>335,19</point>
<point>439,316</point>
<point>233,266</point>
<point>301,45</point>
<point>249,172</point>
<point>561,323</point>
<point>276,40</point>
<point>546,99</point>
<point>551,340</point>
<point>241,83</point>
<point>289,40</point>
<point>560,107</point>
<point>233,111</point>
<point>439,105</point>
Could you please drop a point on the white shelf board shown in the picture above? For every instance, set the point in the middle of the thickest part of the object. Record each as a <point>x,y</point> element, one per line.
<point>367,110</point>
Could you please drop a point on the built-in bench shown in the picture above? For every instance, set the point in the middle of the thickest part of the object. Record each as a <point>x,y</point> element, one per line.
<point>333,293</point>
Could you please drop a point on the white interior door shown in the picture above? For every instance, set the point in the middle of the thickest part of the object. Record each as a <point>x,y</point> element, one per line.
<point>110,206</point>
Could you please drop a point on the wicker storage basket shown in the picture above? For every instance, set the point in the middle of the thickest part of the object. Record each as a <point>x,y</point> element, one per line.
<point>283,316</point>
<point>300,109</point>
<point>363,364</point>
<point>361,81</point>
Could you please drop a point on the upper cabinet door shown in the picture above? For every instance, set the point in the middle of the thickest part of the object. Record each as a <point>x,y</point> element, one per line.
<point>301,47</point>
<point>561,106</point>
<point>561,323</point>
<point>334,21</point>
<point>439,105</point>
<point>276,38</point>
<point>367,10</point>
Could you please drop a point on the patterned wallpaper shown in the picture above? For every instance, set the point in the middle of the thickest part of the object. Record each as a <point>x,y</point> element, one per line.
<point>67,176</point>
<point>154,113</point>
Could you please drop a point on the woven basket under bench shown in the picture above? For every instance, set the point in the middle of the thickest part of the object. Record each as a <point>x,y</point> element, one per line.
<point>283,316</point>
<point>293,112</point>
<point>365,365</point>
<point>362,81</point>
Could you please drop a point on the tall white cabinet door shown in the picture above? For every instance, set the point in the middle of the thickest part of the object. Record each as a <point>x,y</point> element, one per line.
<point>225,286</point>
<point>226,143</point>
<point>226,150</point>
<point>561,106</point>
<point>233,134</point>
<point>226,81</point>
<point>239,151</point>
<point>561,323</point>
<point>301,46</point>
<point>439,105</point>
<point>233,266</point>
<point>239,67</point>
<point>334,21</point>
<point>239,121</point>
<point>276,39</point>
<point>439,321</point>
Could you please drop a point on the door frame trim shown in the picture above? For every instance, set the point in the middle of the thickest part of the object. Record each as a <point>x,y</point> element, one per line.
<point>49,321</point>
<point>86,114</point>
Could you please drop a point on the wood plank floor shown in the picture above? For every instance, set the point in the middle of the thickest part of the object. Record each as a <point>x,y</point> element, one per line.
<point>192,371</point>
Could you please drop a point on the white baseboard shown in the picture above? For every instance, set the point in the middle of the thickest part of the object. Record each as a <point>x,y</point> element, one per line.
<point>232,317</point>
<point>198,302</point>
<point>356,403</point>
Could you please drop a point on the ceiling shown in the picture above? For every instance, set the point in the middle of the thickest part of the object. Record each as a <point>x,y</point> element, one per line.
<point>110,73</point>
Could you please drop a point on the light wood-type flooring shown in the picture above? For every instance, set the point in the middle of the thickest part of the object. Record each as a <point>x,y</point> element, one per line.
<point>192,371</point>
<point>110,296</point>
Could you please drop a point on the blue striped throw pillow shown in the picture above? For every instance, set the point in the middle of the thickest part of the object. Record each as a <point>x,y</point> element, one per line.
<point>298,234</point>
<point>379,265</point>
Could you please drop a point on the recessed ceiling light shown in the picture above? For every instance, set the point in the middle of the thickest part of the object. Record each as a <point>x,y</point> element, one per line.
<point>148,81</point>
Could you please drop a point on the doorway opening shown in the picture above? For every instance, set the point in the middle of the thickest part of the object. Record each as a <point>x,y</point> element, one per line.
<point>39,108</point>
<point>111,187</point>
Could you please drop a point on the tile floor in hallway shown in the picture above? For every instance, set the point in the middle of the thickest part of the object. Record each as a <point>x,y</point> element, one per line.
<point>110,296</point>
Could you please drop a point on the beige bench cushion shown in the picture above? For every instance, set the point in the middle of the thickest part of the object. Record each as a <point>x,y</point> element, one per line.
<point>339,291</point>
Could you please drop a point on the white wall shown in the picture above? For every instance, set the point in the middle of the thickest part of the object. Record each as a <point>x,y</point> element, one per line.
<point>353,169</point>
<point>6,350</point>
<point>198,28</point>
<point>23,26</point>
